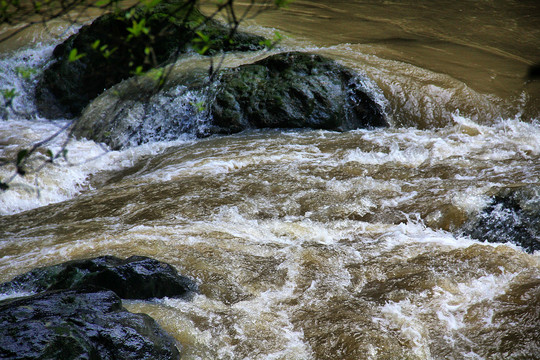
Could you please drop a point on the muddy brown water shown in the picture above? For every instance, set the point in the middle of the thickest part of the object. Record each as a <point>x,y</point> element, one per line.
<point>315,244</point>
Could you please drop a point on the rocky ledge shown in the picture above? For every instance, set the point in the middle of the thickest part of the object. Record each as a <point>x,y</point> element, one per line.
<point>77,312</point>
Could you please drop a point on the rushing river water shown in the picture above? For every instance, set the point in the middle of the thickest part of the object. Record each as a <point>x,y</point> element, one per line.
<point>317,244</point>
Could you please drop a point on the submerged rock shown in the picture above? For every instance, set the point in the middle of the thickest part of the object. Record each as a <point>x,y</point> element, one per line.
<point>288,90</point>
<point>137,277</point>
<point>79,324</point>
<point>115,45</point>
<point>512,216</point>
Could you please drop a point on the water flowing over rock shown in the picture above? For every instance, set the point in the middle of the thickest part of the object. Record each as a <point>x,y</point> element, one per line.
<point>137,277</point>
<point>80,324</point>
<point>111,52</point>
<point>513,216</point>
<point>287,90</point>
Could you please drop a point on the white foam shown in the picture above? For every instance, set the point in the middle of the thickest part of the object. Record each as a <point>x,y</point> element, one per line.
<point>19,72</point>
<point>412,156</point>
<point>403,315</point>
<point>66,177</point>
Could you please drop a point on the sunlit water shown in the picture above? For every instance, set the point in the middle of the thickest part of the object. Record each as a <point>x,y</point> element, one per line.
<point>315,244</point>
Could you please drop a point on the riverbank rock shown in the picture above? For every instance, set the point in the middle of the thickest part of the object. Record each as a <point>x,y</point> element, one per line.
<point>287,90</point>
<point>137,277</point>
<point>79,324</point>
<point>512,216</point>
<point>117,45</point>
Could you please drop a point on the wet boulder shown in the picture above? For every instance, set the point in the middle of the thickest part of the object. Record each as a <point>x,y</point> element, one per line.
<point>512,216</point>
<point>293,90</point>
<point>137,277</point>
<point>287,90</point>
<point>79,324</point>
<point>117,45</point>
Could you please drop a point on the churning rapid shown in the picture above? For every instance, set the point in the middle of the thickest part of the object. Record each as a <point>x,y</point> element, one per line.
<point>313,244</point>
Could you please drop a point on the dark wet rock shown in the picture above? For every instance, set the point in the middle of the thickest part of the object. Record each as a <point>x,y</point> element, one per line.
<point>293,90</point>
<point>533,72</point>
<point>288,90</point>
<point>137,277</point>
<point>512,216</point>
<point>112,53</point>
<point>79,324</point>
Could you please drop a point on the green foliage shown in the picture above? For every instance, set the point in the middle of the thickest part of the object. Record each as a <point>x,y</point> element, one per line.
<point>103,49</point>
<point>8,95</point>
<point>74,55</point>
<point>25,72</point>
<point>137,29</point>
<point>282,3</point>
<point>200,106</point>
<point>8,8</point>
<point>102,3</point>
<point>50,155</point>
<point>271,43</point>
<point>202,43</point>
<point>138,71</point>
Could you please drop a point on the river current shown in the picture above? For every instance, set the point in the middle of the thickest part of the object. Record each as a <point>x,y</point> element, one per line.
<point>310,244</point>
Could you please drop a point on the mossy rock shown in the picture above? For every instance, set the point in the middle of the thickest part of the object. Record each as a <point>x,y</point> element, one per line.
<point>293,90</point>
<point>287,90</point>
<point>112,53</point>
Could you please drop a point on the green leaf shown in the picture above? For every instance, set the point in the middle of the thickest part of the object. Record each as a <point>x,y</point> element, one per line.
<point>138,28</point>
<point>202,44</point>
<point>270,44</point>
<point>102,3</point>
<point>138,70</point>
<point>8,94</point>
<point>50,154</point>
<point>108,52</point>
<point>150,4</point>
<point>203,37</point>
<point>25,72</point>
<point>199,106</point>
<point>95,44</point>
<point>282,3</point>
<point>74,55</point>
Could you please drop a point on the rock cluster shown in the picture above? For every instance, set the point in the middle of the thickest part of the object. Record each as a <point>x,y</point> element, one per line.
<point>117,45</point>
<point>105,60</point>
<point>79,324</point>
<point>286,90</point>
<point>76,311</point>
